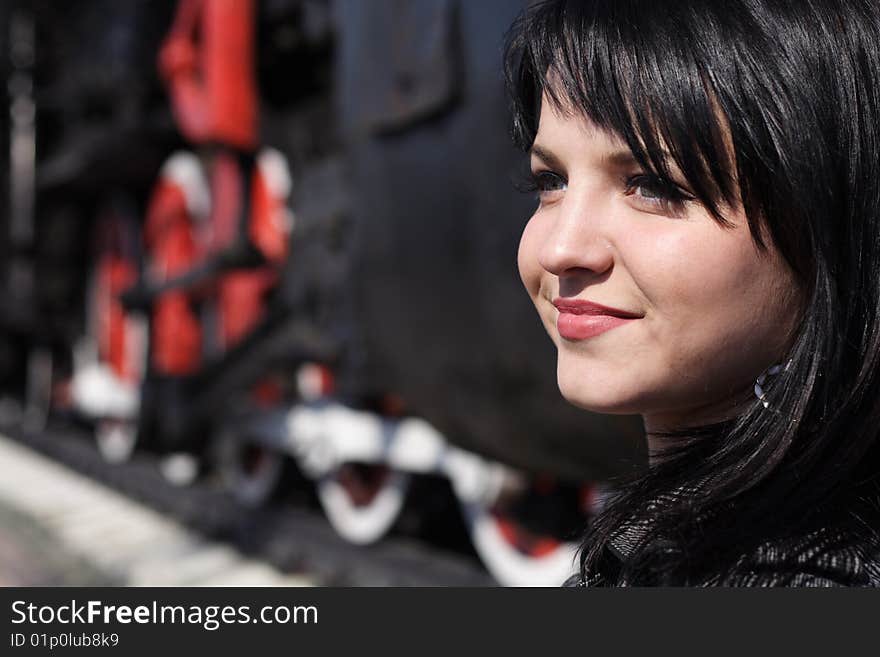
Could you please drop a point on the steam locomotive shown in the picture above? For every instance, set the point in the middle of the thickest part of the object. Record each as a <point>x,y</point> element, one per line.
<point>290,242</point>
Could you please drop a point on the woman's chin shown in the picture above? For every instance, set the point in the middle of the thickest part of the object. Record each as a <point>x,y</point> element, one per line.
<point>599,399</point>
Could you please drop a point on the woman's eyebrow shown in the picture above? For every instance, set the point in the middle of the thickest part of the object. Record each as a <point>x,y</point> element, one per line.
<point>621,158</point>
<point>547,157</point>
<point>624,159</point>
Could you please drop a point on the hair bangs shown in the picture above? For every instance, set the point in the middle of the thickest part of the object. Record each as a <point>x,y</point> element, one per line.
<point>614,63</point>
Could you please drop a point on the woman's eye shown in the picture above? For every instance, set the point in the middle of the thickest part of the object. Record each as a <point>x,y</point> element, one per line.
<point>545,184</point>
<point>542,184</point>
<point>547,181</point>
<point>655,194</point>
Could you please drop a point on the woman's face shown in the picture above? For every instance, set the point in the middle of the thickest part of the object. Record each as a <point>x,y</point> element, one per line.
<point>654,307</point>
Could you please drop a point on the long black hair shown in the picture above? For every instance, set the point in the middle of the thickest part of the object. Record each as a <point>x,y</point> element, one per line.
<point>794,86</point>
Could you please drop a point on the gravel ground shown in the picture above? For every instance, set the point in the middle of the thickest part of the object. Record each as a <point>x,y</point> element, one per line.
<point>31,556</point>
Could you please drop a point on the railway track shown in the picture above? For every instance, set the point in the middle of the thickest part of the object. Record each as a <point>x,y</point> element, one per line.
<point>289,537</point>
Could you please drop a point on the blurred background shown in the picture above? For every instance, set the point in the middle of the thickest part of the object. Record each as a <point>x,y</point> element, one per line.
<point>259,289</point>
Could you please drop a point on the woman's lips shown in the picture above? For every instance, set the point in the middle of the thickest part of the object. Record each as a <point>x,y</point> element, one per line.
<point>580,320</point>
<point>581,327</point>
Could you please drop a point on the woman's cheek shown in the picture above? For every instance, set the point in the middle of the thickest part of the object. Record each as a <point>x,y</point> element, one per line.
<point>527,256</point>
<point>661,263</point>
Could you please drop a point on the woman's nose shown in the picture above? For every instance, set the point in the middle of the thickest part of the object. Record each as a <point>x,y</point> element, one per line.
<point>576,240</point>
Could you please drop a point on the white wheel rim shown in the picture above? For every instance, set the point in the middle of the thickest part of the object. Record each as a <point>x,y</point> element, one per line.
<point>507,564</point>
<point>116,440</point>
<point>367,523</point>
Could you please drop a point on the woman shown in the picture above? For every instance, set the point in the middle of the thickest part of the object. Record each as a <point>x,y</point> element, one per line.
<point>706,253</point>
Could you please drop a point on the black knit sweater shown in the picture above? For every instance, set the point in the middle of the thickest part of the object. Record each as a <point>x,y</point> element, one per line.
<point>848,556</point>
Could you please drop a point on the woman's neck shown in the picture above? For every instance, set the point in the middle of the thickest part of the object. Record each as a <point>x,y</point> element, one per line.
<point>659,425</point>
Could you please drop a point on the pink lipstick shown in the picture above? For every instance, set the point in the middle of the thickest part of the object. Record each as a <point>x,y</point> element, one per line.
<point>580,320</point>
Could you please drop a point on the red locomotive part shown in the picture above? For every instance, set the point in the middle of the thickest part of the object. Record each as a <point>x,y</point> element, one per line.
<point>175,332</point>
<point>207,61</point>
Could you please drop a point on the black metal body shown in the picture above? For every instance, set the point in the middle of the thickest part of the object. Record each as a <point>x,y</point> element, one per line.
<point>439,306</point>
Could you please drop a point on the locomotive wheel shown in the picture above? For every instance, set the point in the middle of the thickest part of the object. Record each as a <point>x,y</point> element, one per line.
<point>251,472</point>
<point>515,554</point>
<point>117,338</point>
<point>362,501</point>
<point>38,396</point>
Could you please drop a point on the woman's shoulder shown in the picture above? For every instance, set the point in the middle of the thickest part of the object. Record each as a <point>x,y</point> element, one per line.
<point>826,557</point>
<point>848,556</point>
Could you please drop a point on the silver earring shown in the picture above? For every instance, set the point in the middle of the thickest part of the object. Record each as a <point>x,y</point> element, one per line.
<point>761,380</point>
